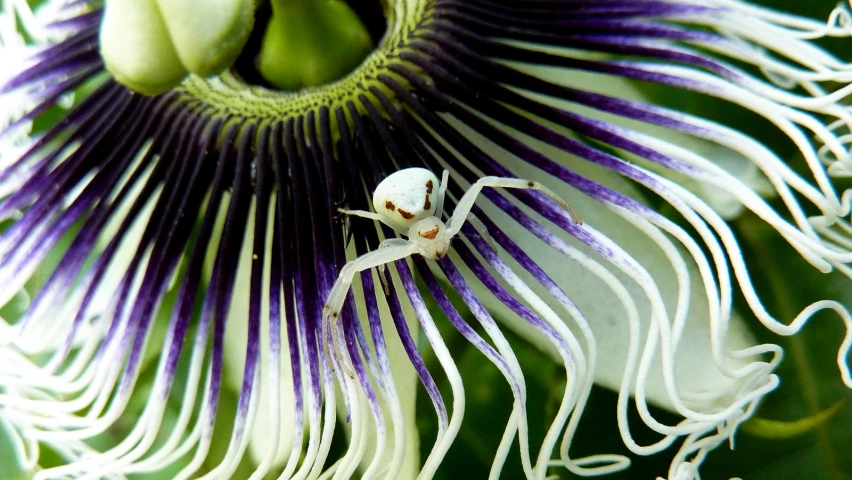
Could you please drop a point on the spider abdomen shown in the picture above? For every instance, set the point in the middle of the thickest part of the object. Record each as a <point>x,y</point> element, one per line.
<point>407,196</point>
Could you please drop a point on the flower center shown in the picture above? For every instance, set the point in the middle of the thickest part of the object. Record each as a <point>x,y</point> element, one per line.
<point>153,46</point>
<point>307,43</point>
<point>246,90</point>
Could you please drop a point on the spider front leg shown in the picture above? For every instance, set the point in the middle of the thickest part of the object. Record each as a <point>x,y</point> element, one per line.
<point>465,204</point>
<point>383,268</point>
<point>481,230</point>
<point>389,252</point>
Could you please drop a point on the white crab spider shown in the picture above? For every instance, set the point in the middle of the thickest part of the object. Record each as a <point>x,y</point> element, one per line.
<point>408,202</point>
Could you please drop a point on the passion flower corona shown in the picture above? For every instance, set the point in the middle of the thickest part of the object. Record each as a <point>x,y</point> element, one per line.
<point>172,176</point>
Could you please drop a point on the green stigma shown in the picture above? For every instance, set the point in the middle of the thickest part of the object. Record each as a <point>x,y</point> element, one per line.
<point>311,42</point>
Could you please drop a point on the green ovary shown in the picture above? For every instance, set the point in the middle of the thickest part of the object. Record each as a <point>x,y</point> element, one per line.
<point>311,42</point>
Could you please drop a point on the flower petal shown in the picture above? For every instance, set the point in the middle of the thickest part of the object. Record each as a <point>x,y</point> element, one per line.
<point>697,371</point>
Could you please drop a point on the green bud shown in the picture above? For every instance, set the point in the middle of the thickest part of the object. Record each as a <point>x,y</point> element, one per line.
<point>208,35</point>
<point>311,42</point>
<point>150,46</point>
<point>137,49</point>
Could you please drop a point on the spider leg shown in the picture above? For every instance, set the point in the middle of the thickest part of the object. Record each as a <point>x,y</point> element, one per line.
<point>442,192</point>
<point>361,213</point>
<point>384,267</point>
<point>347,231</point>
<point>465,204</point>
<point>482,230</point>
<point>337,295</point>
<point>374,216</point>
<point>339,346</point>
<point>533,185</point>
<point>384,278</point>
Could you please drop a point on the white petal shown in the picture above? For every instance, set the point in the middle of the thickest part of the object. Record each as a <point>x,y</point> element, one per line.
<point>733,162</point>
<point>406,381</point>
<point>265,428</point>
<point>696,369</point>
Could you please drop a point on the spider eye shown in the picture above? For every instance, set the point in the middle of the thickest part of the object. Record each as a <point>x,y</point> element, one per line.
<point>406,196</point>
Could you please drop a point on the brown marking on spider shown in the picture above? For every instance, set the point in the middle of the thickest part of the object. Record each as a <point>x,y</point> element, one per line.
<point>430,234</point>
<point>430,185</point>
<point>406,215</point>
<point>390,206</point>
<point>531,184</point>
